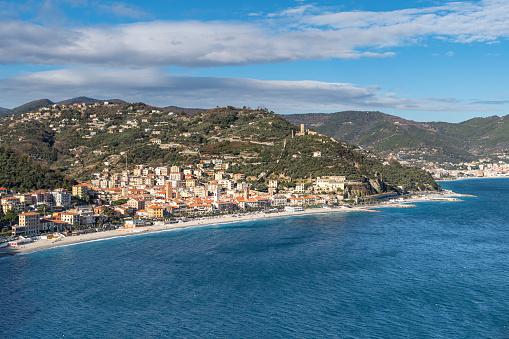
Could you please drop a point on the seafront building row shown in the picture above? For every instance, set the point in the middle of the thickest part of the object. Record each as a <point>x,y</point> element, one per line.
<point>157,193</point>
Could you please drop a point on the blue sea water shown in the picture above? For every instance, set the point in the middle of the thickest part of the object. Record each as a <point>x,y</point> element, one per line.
<point>437,271</point>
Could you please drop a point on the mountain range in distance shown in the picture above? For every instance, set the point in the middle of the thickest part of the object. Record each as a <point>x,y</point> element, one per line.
<point>437,141</point>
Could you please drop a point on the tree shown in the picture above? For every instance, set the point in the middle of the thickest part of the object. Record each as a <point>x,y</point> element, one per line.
<point>119,202</point>
<point>42,209</point>
<point>10,216</point>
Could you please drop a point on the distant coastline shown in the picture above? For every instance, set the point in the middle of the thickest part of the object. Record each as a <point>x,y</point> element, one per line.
<point>471,178</point>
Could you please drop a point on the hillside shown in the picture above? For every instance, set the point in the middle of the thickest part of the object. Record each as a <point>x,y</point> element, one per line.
<point>3,109</point>
<point>21,173</point>
<point>28,107</point>
<point>190,111</point>
<point>86,100</point>
<point>384,133</point>
<point>82,140</point>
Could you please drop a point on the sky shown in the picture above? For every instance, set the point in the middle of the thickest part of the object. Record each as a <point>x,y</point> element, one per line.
<point>418,59</point>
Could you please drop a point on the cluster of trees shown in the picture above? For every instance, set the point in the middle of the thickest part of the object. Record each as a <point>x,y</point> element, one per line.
<point>21,173</point>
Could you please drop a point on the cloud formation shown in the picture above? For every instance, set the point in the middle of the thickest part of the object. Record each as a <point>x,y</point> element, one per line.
<point>300,33</point>
<point>155,86</point>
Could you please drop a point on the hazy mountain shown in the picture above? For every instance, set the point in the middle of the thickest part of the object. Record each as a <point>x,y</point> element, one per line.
<point>386,133</point>
<point>3,109</point>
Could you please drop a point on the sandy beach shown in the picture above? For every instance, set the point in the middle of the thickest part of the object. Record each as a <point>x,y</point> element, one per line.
<point>199,222</point>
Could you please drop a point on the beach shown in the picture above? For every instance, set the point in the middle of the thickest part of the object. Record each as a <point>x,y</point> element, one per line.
<point>199,222</point>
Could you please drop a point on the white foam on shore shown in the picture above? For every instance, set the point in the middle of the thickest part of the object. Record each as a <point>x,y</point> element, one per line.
<point>207,223</point>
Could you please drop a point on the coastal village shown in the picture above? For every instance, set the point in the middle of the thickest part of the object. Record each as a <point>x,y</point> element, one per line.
<point>147,195</point>
<point>157,194</point>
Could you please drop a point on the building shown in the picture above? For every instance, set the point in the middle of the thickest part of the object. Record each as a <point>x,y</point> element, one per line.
<point>293,209</point>
<point>47,225</point>
<point>80,191</point>
<point>279,200</point>
<point>239,176</point>
<point>70,218</point>
<point>300,188</point>
<point>61,197</point>
<point>136,203</point>
<point>155,211</point>
<point>168,191</point>
<point>29,224</point>
<point>12,203</point>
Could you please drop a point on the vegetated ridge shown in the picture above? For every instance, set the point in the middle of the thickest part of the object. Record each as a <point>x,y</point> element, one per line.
<point>28,107</point>
<point>79,141</point>
<point>23,174</point>
<point>85,100</point>
<point>36,104</point>
<point>436,141</point>
<point>190,111</point>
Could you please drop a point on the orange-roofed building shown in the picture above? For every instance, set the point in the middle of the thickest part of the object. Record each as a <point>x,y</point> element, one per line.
<point>155,211</point>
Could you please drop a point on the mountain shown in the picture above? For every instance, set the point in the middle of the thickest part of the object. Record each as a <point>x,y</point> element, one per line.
<point>28,107</point>
<point>384,134</point>
<point>35,105</point>
<point>257,143</point>
<point>85,100</point>
<point>190,111</point>
<point>21,173</point>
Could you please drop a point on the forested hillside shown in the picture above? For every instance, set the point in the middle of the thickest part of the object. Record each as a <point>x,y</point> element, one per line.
<point>21,173</point>
<point>79,140</point>
<point>384,133</point>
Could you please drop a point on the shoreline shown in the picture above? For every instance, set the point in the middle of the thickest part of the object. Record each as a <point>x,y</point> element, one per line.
<point>472,178</point>
<point>224,219</point>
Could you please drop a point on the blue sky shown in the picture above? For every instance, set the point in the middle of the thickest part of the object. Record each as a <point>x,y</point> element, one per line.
<point>421,60</point>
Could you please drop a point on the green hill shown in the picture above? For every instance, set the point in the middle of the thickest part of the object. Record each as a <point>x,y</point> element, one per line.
<point>384,133</point>
<point>85,100</point>
<point>28,107</point>
<point>81,141</point>
<point>21,173</point>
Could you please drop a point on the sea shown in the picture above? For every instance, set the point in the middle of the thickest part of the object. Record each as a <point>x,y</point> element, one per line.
<point>440,270</point>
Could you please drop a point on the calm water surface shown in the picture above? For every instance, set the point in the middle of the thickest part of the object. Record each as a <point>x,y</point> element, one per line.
<point>437,271</point>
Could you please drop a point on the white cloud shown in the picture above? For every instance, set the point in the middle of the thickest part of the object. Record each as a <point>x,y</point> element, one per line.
<point>449,54</point>
<point>155,86</point>
<point>299,33</point>
<point>294,11</point>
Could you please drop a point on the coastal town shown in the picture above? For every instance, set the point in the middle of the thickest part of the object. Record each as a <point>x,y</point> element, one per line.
<point>164,196</point>
<point>496,166</point>
<point>157,194</point>
<point>121,196</point>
